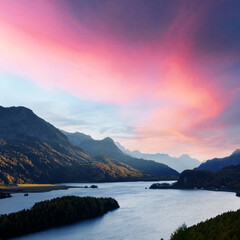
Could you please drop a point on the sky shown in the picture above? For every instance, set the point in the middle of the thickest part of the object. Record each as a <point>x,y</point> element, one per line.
<point>157,76</point>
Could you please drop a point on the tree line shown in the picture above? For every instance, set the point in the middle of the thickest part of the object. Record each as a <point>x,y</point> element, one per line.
<point>51,213</point>
<point>222,227</point>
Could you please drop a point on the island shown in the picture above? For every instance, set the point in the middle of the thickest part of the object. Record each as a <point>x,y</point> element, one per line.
<point>52,213</point>
<point>161,186</point>
<point>5,195</point>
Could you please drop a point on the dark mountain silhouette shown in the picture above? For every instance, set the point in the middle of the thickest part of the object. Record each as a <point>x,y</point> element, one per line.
<point>32,150</point>
<point>108,148</point>
<point>178,163</point>
<point>219,163</point>
<point>17,122</point>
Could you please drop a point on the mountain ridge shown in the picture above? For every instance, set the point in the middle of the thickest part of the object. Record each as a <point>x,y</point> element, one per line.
<point>216,164</point>
<point>34,151</point>
<point>108,148</point>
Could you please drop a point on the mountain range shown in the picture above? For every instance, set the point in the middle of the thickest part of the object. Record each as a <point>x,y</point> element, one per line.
<point>108,148</point>
<point>178,163</point>
<point>33,150</point>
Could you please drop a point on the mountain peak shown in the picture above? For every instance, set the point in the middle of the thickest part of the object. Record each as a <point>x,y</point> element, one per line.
<point>108,139</point>
<point>16,110</point>
<point>85,137</point>
<point>23,122</point>
<point>185,156</point>
<point>236,152</point>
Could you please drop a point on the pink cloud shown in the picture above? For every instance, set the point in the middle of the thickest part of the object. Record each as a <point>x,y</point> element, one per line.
<point>46,44</point>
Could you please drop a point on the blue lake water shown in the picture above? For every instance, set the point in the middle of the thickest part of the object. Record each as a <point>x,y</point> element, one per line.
<point>143,214</point>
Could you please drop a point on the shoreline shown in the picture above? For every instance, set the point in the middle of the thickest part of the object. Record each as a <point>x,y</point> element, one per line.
<point>34,188</point>
<point>38,188</point>
<point>214,189</point>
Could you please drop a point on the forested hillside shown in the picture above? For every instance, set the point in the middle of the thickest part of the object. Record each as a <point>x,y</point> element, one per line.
<point>34,151</point>
<point>222,227</point>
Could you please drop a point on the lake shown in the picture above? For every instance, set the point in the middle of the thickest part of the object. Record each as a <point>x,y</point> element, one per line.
<point>143,214</point>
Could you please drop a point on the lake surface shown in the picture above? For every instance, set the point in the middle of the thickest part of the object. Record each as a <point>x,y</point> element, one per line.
<point>144,214</point>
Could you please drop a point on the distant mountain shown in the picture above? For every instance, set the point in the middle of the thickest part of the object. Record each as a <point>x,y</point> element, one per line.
<point>178,163</point>
<point>33,150</point>
<point>219,163</point>
<point>108,148</point>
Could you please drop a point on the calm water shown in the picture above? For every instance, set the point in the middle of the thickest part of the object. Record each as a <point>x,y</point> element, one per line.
<point>143,214</point>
